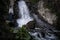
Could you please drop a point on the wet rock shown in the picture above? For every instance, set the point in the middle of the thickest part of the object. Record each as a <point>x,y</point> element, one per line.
<point>30,25</point>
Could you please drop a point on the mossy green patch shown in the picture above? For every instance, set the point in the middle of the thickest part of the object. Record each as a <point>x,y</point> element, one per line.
<point>34,1</point>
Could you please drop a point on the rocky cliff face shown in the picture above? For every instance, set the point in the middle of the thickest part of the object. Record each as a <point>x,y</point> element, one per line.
<point>46,13</point>
<point>54,6</point>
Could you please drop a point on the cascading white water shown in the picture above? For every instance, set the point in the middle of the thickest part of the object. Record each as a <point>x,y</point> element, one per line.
<point>47,36</point>
<point>11,10</point>
<point>25,18</point>
<point>24,12</point>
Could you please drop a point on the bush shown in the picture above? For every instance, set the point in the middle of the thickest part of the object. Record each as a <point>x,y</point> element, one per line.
<point>21,34</point>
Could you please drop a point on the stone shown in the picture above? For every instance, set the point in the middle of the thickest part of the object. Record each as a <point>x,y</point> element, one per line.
<point>31,25</point>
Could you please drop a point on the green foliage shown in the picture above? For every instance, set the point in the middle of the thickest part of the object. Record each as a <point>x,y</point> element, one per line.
<point>34,1</point>
<point>21,34</point>
<point>11,30</point>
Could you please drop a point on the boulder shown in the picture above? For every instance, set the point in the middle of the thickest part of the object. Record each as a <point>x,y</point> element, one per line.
<point>31,25</point>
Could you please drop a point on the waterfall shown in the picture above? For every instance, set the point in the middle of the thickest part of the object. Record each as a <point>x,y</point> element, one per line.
<point>24,18</point>
<point>24,12</point>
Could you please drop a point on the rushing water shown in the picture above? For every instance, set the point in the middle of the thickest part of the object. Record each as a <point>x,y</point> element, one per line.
<point>24,12</point>
<point>46,27</point>
<point>38,36</point>
<point>24,18</point>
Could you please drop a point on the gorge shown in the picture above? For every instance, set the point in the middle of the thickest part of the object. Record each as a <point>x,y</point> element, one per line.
<point>28,20</point>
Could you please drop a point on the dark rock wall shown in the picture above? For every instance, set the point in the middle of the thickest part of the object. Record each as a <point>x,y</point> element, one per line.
<point>5,33</point>
<point>54,6</point>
